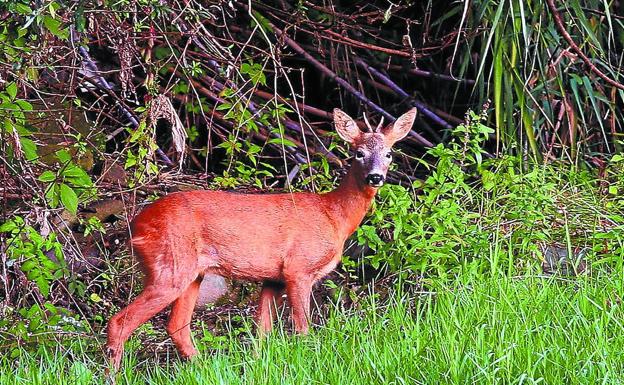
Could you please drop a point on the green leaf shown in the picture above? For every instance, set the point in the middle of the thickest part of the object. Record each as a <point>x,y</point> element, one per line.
<point>77,176</point>
<point>51,195</point>
<point>44,286</point>
<point>69,198</point>
<point>8,226</point>
<point>95,298</point>
<point>63,155</point>
<point>28,266</point>
<point>23,9</point>
<point>24,105</point>
<point>54,26</point>
<point>263,21</point>
<point>30,148</point>
<point>11,89</point>
<point>47,176</point>
<point>81,21</point>
<point>223,106</point>
<point>283,141</point>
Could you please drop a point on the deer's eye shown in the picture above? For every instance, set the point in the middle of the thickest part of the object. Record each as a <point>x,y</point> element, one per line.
<point>359,154</point>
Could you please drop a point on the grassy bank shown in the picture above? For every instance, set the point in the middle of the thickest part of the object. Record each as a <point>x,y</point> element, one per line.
<point>497,330</point>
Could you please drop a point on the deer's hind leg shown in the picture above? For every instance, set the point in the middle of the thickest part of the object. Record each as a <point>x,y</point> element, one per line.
<point>164,283</point>
<point>179,326</point>
<point>151,301</point>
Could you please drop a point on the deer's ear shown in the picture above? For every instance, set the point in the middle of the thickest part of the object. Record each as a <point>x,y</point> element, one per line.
<point>346,127</point>
<point>400,128</point>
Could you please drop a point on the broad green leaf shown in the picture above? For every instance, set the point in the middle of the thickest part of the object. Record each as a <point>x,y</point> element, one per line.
<point>47,176</point>
<point>77,176</point>
<point>55,27</point>
<point>24,105</point>
<point>28,265</point>
<point>63,155</point>
<point>23,9</point>
<point>283,141</point>
<point>30,148</point>
<point>11,90</point>
<point>8,226</point>
<point>69,198</point>
<point>52,195</point>
<point>44,286</point>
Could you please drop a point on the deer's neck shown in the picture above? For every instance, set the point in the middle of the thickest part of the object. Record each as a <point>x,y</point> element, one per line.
<point>350,202</point>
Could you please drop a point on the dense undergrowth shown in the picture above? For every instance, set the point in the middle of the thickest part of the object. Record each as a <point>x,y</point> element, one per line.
<point>471,219</point>
<point>499,214</point>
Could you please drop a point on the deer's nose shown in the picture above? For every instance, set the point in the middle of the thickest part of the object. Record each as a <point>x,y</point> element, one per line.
<point>375,180</point>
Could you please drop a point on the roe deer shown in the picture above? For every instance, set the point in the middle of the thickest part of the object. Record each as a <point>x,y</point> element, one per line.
<point>287,241</point>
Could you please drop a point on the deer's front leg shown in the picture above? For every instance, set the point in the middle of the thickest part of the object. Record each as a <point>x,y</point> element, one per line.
<point>270,300</point>
<point>299,291</point>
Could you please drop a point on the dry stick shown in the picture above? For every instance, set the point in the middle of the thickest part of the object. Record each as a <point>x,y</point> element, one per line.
<point>387,81</point>
<point>307,108</point>
<point>304,107</point>
<point>105,86</point>
<point>568,38</point>
<point>217,67</point>
<point>220,117</point>
<point>443,114</point>
<point>330,35</point>
<point>251,106</point>
<point>429,74</point>
<point>321,67</point>
<point>425,110</point>
<point>293,151</point>
<point>446,115</point>
<point>288,123</point>
<point>338,38</point>
<point>390,91</point>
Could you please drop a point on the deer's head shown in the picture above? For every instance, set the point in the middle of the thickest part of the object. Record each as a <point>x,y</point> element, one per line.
<point>372,149</point>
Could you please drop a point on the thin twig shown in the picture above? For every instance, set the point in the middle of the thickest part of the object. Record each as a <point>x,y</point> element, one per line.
<point>104,85</point>
<point>346,85</point>
<point>388,82</point>
<point>429,74</point>
<point>575,48</point>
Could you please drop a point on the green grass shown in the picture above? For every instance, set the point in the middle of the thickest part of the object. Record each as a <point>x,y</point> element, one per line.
<point>489,331</point>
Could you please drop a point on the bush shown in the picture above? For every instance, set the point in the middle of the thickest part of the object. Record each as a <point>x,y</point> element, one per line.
<point>493,215</point>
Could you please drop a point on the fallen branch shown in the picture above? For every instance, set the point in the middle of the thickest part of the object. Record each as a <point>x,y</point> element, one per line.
<point>388,82</point>
<point>346,85</point>
<point>429,74</point>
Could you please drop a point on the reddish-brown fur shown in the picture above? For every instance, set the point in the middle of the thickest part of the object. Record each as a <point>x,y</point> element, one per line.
<point>288,241</point>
